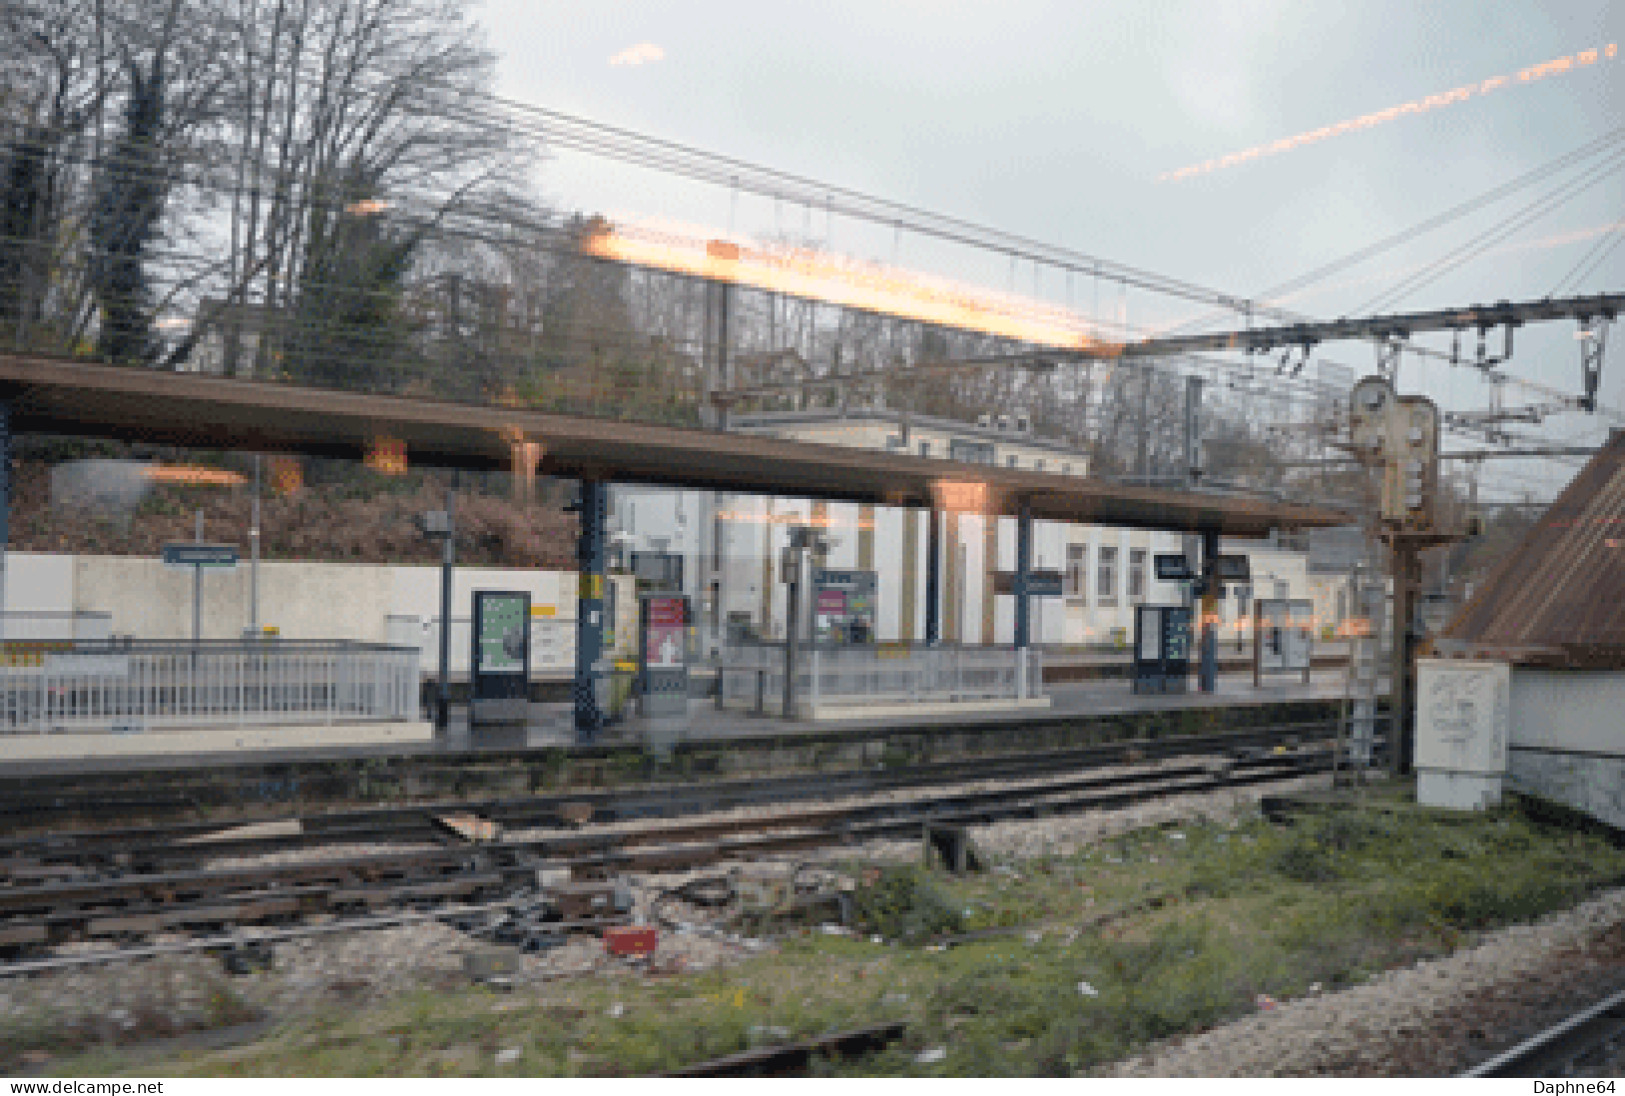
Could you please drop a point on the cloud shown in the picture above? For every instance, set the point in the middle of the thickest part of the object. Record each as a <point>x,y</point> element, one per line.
<point>638,54</point>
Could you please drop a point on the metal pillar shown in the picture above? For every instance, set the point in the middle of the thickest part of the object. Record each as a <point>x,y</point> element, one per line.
<point>933,578</point>
<point>5,501</point>
<point>719,371</point>
<point>448,561</point>
<point>197,587</point>
<point>1193,430</point>
<point>254,555</point>
<point>1207,679</point>
<point>589,717</point>
<point>792,622</point>
<point>1401,687</point>
<point>1024,566</point>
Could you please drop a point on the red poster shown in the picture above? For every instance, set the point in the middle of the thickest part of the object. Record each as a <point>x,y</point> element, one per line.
<point>663,638</point>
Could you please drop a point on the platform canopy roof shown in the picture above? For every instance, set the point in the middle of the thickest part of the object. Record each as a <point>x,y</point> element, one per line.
<point>1558,599</point>
<point>50,395</point>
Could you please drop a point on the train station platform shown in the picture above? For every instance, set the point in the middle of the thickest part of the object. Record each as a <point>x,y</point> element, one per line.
<point>550,728</point>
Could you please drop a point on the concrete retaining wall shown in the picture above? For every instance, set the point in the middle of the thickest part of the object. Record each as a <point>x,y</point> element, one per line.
<point>1568,739</point>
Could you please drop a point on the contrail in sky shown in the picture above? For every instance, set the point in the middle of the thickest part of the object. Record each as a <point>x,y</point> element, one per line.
<point>1415,106</point>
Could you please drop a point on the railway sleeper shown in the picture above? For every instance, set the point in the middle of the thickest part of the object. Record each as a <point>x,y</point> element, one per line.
<point>462,887</point>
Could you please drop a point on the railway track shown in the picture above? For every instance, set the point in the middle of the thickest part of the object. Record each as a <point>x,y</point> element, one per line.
<point>122,909</point>
<point>1588,1043</point>
<point>175,846</point>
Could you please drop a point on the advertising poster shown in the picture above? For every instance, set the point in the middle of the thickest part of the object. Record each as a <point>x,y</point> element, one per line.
<point>664,638</point>
<point>844,606</point>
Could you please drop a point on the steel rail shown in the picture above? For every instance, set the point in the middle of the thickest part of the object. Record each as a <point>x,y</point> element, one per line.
<point>414,823</point>
<point>1554,1051</point>
<point>54,913</point>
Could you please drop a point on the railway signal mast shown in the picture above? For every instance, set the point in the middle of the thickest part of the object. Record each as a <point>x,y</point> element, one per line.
<point>1399,437</point>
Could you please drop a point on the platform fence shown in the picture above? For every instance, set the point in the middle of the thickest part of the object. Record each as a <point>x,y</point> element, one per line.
<point>752,676</point>
<point>136,685</point>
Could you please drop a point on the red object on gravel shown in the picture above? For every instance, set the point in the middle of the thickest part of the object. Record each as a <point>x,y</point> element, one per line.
<point>631,940</point>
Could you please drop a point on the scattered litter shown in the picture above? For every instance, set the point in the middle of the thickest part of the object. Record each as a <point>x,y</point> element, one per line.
<point>507,1055</point>
<point>766,1033</point>
<point>1034,936</point>
<point>830,928</point>
<point>935,1054</point>
<point>1176,836</point>
<point>1314,988</point>
<point>936,947</point>
<point>617,1010</point>
<point>877,939</point>
<point>1087,990</point>
<point>895,998</point>
<point>1264,1002</point>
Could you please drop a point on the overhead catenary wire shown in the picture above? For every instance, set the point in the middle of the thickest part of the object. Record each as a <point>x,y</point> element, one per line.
<point>560,130</point>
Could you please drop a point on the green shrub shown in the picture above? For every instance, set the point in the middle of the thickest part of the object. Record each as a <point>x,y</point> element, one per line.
<point>905,904</point>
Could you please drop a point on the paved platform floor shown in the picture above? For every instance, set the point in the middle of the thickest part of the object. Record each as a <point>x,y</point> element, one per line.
<point>551,724</point>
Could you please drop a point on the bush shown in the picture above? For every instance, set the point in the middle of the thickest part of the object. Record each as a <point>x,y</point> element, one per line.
<point>904,904</point>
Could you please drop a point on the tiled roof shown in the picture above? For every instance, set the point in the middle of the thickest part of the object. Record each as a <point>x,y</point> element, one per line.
<point>1558,599</point>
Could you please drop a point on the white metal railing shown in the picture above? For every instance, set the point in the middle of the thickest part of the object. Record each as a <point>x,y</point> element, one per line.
<point>132,686</point>
<point>552,641</point>
<point>753,676</point>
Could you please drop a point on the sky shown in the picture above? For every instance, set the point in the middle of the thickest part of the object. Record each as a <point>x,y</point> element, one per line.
<point>1069,123</point>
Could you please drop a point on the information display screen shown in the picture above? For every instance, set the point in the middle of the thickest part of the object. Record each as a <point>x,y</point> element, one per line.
<point>504,624</point>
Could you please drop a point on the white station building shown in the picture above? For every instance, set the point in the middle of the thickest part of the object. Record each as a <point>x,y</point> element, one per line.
<point>731,544</point>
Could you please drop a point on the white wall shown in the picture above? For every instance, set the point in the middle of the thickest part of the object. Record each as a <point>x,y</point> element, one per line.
<point>38,582</point>
<point>303,599</point>
<point>1569,710</point>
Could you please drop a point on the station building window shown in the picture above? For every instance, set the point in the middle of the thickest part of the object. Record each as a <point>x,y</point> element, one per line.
<point>1136,575</point>
<point>1077,571</point>
<point>970,452</point>
<point>925,449</point>
<point>1106,577</point>
<point>1010,462</point>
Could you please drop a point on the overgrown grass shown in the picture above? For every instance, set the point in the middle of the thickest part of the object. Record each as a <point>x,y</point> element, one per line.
<point>1155,934</point>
